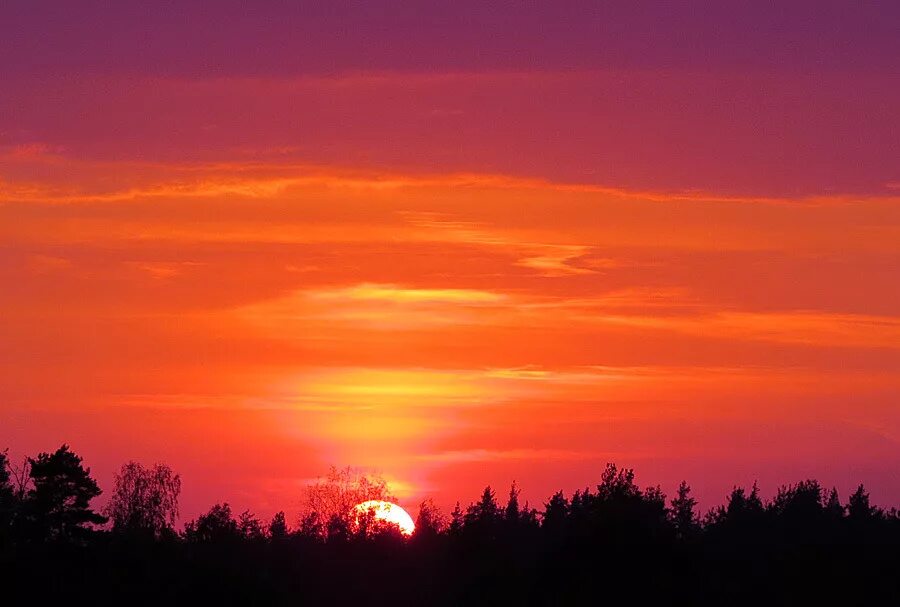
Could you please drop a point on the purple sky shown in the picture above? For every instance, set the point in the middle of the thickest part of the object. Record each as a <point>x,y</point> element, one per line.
<point>289,37</point>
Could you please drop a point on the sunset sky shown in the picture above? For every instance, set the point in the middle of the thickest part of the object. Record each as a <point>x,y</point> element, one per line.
<point>458,243</point>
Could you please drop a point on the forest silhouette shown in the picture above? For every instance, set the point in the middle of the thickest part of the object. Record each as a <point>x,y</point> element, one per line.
<point>611,543</point>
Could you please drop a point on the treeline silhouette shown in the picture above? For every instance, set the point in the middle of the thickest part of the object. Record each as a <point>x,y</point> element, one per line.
<point>613,543</point>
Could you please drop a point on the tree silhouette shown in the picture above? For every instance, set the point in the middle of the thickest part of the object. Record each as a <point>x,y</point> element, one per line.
<point>6,488</point>
<point>7,499</point>
<point>250,527</point>
<point>528,516</point>
<point>620,511</point>
<point>511,512</point>
<point>278,529</point>
<point>311,526</point>
<point>20,478</point>
<point>617,485</point>
<point>144,500</point>
<point>834,510</point>
<point>556,509</point>
<point>216,526</point>
<point>682,514</point>
<point>430,521</point>
<point>58,505</point>
<point>615,544</point>
<point>801,502</point>
<point>485,509</point>
<point>482,517</point>
<point>457,520</point>
<point>556,512</point>
<point>859,509</point>
<point>740,508</point>
<point>330,501</point>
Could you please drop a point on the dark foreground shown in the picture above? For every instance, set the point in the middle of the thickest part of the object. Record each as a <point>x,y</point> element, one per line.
<point>611,544</point>
<point>718,569</point>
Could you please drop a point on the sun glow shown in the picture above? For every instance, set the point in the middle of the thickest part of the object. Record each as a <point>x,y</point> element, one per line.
<point>387,512</point>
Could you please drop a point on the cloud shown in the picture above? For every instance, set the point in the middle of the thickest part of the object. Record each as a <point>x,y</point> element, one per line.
<point>556,261</point>
<point>369,306</point>
<point>800,327</point>
<point>494,455</point>
<point>79,180</point>
<point>406,295</point>
<point>44,264</point>
<point>389,307</point>
<point>163,270</point>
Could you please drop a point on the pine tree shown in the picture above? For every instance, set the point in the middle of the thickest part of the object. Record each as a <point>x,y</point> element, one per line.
<point>430,521</point>
<point>278,529</point>
<point>511,514</point>
<point>833,507</point>
<point>682,513</point>
<point>58,505</point>
<point>858,507</point>
<point>555,511</point>
<point>456,521</point>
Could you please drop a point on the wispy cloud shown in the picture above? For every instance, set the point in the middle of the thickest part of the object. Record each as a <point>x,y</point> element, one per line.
<point>385,307</point>
<point>86,181</point>
<point>494,455</point>
<point>399,294</point>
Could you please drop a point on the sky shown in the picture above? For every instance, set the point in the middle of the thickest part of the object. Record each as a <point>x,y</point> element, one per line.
<point>455,243</point>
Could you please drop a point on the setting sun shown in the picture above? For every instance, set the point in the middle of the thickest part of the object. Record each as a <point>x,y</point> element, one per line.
<point>387,512</point>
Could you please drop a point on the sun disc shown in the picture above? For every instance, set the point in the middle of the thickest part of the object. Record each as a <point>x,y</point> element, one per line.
<point>387,512</point>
